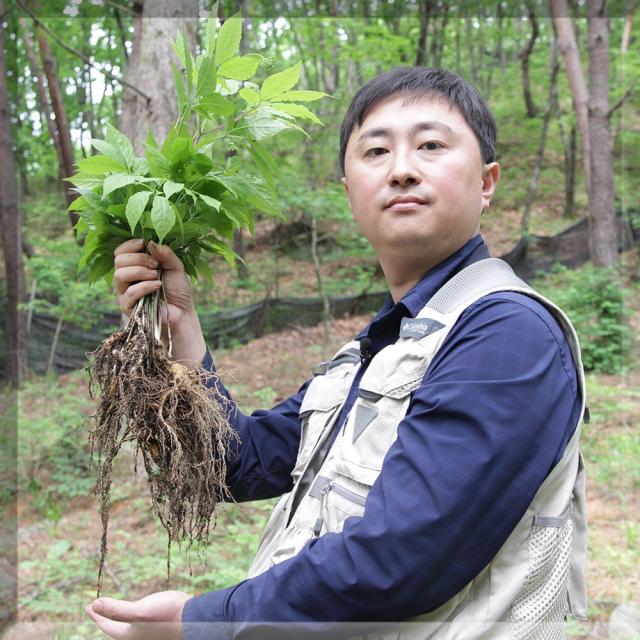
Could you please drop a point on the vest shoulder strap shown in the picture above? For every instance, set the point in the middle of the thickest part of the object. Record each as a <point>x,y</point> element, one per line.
<point>477,279</point>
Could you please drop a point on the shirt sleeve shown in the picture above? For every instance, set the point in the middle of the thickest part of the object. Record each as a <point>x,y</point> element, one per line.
<point>493,415</point>
<point>260,461</point>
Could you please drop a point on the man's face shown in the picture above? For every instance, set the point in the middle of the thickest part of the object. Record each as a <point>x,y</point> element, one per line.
<point>416,181</point>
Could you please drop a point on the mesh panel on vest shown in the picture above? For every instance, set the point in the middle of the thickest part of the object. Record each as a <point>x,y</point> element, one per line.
<point>472,281</point>
<point>538,614</point>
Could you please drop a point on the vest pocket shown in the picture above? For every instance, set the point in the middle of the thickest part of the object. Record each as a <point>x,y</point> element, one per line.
<point>542,604</point>
<point>340,498</point>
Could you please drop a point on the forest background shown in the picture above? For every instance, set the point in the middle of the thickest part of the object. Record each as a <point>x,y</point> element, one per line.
<point>566,215</point>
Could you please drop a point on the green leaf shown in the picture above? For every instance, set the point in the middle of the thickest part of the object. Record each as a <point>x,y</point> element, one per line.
<point>179,152</point>
<point>99,165</point>
<point>179,47</point>
<point>240,68</point>
<point>122,145</point>
<point>221,248</point>
<point>228,41</point>
<point>263,160</point>
<point>181,95</point>
<point>100,267</point>
<point>170,188</point>
<point>79,204</point>
<point>265,202</point>
<point>84,181</point>
<point>297,110</point>
<point>278,83</point>
<point>158,163</point>
<point>210,30</point>
<point>135,207</point>
<point>206,84</point>
<point>217,105</point>
<point>212,202</point>
<point>250,96</point>
<point>189,64</point>
<point>203,268</point>
<point>302,96</point>
<point>163,217</point>
<point>203,162</point>
<point>140,166</point>
<point>106,149</point>
<point>116,181</point>
<point>262,124</point>
<point>91,243</point>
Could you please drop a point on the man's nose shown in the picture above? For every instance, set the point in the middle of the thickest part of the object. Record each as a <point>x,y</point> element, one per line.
<point>403,171</point>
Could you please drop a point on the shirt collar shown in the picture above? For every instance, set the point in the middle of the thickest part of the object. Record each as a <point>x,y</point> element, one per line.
<point>416,298</point>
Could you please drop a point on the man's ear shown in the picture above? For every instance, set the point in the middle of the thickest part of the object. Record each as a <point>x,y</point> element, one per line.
<point>344,184</point>
<point>490,178</point>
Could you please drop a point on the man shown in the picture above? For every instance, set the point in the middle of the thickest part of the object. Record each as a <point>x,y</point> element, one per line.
<point>431,470</point>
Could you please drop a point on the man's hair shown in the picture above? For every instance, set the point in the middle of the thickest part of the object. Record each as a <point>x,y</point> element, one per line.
<point>415,82</point>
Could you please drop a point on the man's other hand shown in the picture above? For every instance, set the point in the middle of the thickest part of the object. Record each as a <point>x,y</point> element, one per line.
<point>154,617</point>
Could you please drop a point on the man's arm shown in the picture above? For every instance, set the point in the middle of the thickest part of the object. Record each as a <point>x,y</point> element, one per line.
<point>491,419</point>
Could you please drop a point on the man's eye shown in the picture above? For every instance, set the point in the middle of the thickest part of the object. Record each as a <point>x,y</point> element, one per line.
<point>376,151</point>
<point>431,145</point>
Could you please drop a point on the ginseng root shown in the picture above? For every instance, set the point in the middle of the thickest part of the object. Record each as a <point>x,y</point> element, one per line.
<point>178,424</point>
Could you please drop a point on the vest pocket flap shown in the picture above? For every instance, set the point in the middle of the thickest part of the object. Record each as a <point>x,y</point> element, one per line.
<point>327,391</point>
<point>356,472</point>
<point>397,370</point>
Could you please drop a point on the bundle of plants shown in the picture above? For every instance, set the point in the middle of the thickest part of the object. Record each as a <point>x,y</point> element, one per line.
<point>207,178</point>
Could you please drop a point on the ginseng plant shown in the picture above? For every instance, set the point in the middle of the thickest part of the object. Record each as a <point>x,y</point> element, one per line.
<point>207,178</point>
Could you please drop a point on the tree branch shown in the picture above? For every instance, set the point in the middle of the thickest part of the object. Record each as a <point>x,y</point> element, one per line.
<point>77,53</point>
<point>620,102</point>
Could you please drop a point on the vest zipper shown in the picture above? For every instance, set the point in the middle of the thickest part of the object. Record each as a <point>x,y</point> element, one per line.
<point>341,491</point>
<point>317,527</point>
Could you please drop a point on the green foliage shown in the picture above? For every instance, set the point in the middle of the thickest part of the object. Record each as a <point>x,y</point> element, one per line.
<point>593,298</point>
<point>58,293</point>
<point>53,457</point>
<point>186,193</point>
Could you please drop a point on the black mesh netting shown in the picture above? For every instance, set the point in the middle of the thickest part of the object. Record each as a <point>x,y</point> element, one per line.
<point>221,329</point>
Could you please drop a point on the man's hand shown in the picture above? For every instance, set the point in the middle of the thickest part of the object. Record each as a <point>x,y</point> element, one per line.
<point>155,617</point>
<point>136,276</point>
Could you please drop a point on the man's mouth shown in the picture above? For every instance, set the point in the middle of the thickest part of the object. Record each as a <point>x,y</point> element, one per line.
<point>400,203</point>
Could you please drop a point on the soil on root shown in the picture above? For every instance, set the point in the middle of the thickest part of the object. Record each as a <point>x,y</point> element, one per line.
<point>178,420</point>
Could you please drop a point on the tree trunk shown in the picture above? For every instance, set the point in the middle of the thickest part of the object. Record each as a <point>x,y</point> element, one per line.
<point>569,49</point>
<point>533,184</point>
<point>602,220</point>
<point>458,30</point>
<point>121,29</point>
<point>149,68</point>
<point>532,110</point>
<point>473,63</point>
<point>62,124</point>
<point>425,13</point>
<point>88,113</point>
<point>36,72</point>
<point>624,47</point>
<point>238,238</point>
<point>569,143</point>
<point>626,35</point>
<point>11,236</point>
<point>442,37</point>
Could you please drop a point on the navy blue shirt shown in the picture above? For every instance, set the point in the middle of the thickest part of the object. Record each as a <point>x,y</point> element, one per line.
<point>493,415</point>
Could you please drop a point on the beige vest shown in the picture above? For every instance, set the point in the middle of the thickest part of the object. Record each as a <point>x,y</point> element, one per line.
<point>535,579</point>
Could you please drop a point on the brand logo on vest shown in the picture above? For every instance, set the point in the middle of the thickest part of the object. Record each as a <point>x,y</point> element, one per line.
<point>419,327</point>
